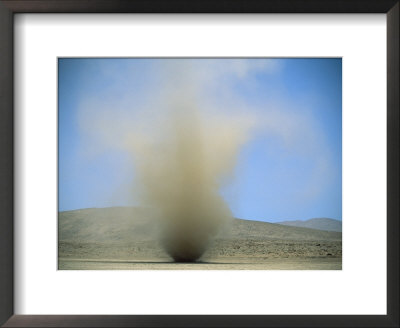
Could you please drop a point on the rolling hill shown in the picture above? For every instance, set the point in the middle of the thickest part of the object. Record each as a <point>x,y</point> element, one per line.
<point>318,223</point>
<point>127,224</point>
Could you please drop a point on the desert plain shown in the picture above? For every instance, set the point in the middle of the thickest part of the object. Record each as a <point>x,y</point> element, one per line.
<point>126,238</point>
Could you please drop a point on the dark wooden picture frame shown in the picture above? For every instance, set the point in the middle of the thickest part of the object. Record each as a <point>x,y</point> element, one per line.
<point>10,7</point>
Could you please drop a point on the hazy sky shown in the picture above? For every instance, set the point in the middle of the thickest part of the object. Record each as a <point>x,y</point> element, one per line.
<point>290,167</point>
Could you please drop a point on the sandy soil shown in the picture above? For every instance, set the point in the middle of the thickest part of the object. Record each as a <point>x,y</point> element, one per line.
<point>218,264</point>
<point>119,238</point>
<point>223,254</point>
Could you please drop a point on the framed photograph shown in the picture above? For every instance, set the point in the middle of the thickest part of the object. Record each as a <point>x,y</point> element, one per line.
<point>190,138</point>
<point>213,164</point>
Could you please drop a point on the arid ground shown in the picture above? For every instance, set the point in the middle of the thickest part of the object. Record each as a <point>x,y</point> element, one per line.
<point>123,238</point>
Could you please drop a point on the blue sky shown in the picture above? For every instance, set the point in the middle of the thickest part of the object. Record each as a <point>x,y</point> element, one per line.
<point>290,167</point>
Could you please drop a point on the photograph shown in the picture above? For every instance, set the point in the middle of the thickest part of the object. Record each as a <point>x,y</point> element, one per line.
<point>191,163</point>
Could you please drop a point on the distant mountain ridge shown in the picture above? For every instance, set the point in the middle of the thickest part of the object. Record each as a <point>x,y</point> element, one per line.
<point>316,223</point>
<point>127,224</point>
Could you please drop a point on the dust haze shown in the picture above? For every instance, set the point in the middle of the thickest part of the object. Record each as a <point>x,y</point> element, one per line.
<point>183,151</point>
<point>180,172</point>
<point>183,125</point>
